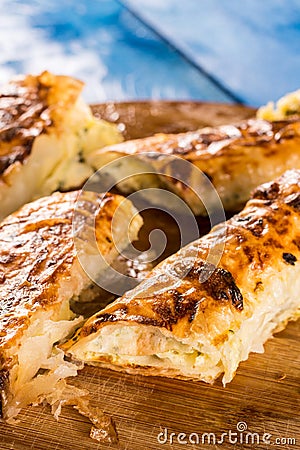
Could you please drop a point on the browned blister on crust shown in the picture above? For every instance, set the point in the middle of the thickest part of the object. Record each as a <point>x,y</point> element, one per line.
<point>221,296</point>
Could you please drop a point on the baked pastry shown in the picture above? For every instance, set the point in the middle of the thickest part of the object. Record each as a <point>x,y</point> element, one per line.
<point>40,273</point>
<point>287,107</point>
<point>234,158</point>
<point>46,132</point>
<point>200,312</point>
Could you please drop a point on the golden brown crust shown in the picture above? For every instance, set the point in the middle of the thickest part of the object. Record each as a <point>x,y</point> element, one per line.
<point>201,144</point>
<point>37,253</point>
<point>236,159</point>
<point>264,235</point>
<point>29,106</point>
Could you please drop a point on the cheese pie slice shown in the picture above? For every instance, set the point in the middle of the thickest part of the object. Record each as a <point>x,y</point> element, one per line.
<point>46,133</point>
<point>39,274</point>
<point>195,319</point>
<point>235,158</point>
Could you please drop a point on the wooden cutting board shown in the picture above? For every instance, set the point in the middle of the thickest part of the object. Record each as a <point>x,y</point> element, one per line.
<point>263,397</point>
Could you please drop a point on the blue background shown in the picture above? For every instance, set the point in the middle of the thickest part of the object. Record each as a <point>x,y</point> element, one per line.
<point>227,50</point>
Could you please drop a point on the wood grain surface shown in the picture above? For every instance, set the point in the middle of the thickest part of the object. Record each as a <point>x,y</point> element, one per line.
<point>265,394</point>
<point>143,118</point>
